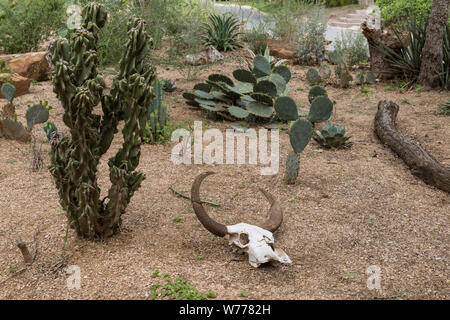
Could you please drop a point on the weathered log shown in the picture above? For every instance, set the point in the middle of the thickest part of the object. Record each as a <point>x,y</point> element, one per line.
<point>421,163</point>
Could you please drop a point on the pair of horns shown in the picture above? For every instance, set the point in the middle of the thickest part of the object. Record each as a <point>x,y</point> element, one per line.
<point>272,223</point>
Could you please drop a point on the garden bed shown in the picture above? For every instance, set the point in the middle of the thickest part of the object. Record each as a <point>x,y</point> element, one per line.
<point>350,209</point>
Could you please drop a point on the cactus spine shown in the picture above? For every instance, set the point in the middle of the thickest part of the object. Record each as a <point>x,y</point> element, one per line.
<point>75,157</point>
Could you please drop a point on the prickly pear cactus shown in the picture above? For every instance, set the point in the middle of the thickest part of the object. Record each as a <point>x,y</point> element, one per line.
<point>301,130</point>
<point>14,130</point>
<point>8,91</point>
<point>251,98</point>
<point>292,167</point>
<point>313,76</point>
<point>79,87</point>
<point>36,114</point>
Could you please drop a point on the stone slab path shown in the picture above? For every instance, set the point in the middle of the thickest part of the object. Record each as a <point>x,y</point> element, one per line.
<point>252,17</point>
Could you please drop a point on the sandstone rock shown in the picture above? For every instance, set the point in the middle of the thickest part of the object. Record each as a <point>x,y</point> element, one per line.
<point>282,49</point>
<point>33,65</point>
<point>21,84</point>
<point>212,55</point>
<point>195,59</point>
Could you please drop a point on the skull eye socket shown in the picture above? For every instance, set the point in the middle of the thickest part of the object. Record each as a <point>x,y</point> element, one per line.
<point>243,238</point>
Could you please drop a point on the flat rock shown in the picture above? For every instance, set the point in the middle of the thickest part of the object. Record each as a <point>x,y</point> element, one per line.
<point>32,65</point>
<point>282,49</point>
<point>21,84</point>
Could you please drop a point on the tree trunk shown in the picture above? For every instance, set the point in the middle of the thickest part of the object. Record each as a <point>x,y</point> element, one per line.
<point>374,36</point>
<point>419,161</point>
<point>432,53</point>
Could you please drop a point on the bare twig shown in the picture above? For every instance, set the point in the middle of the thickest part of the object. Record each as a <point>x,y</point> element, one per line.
<point>27,256</point>
<point>183,195</point>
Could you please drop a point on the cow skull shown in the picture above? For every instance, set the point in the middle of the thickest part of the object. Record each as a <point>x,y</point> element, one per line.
<point>256,241</point>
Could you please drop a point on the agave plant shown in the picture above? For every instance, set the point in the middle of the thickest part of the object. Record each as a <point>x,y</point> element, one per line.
<point>332,136</point>
<point>222,32</point>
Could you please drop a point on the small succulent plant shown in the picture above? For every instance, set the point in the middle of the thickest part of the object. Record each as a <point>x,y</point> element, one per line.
<point>332,136</point>
<point>444,109</point>
<point>168,86</point>
<point>222,32</point>
<point>49,128</point>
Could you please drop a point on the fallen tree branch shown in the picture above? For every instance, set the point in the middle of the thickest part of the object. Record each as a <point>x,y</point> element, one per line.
<point>183,195</point>
<point>421,163</point>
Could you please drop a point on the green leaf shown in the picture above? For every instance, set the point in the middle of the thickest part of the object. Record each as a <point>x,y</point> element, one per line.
<point>260,110</point>
<point>321,109</point>
<point>300,134</point>
<point>243,75</point>
<point>284,72</point>
<point>267,87</point>
<point>221,78</point>
<point>8,91</point>
<point>261,66</point>
<point>286,108</point>
<point>238,113</point>
<point>36,114</point>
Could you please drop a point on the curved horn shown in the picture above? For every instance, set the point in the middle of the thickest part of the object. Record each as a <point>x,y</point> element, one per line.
<point>275,214</point>
<point>212,226</point>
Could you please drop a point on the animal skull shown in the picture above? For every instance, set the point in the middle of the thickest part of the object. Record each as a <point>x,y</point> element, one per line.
<point>257,242</point>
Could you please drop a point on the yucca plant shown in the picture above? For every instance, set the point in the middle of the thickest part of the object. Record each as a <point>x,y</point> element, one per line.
<point>222,32</point>
<point>407,62</point>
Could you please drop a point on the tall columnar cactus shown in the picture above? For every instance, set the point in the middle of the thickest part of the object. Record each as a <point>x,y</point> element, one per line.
<point>79,87</point>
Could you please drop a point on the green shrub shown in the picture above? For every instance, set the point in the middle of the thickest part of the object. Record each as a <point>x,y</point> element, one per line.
<point>173,18</point>
<point>257,39</point>
<point>312,28</point>
<point>354,48</point>
<point>288,19</point>
<point>25,23</point>
<point>395,11</point>
<point>406,63</point>
<point>339,3</point>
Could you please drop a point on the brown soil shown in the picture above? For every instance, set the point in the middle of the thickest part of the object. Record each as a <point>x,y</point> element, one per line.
<point>350,209</point>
